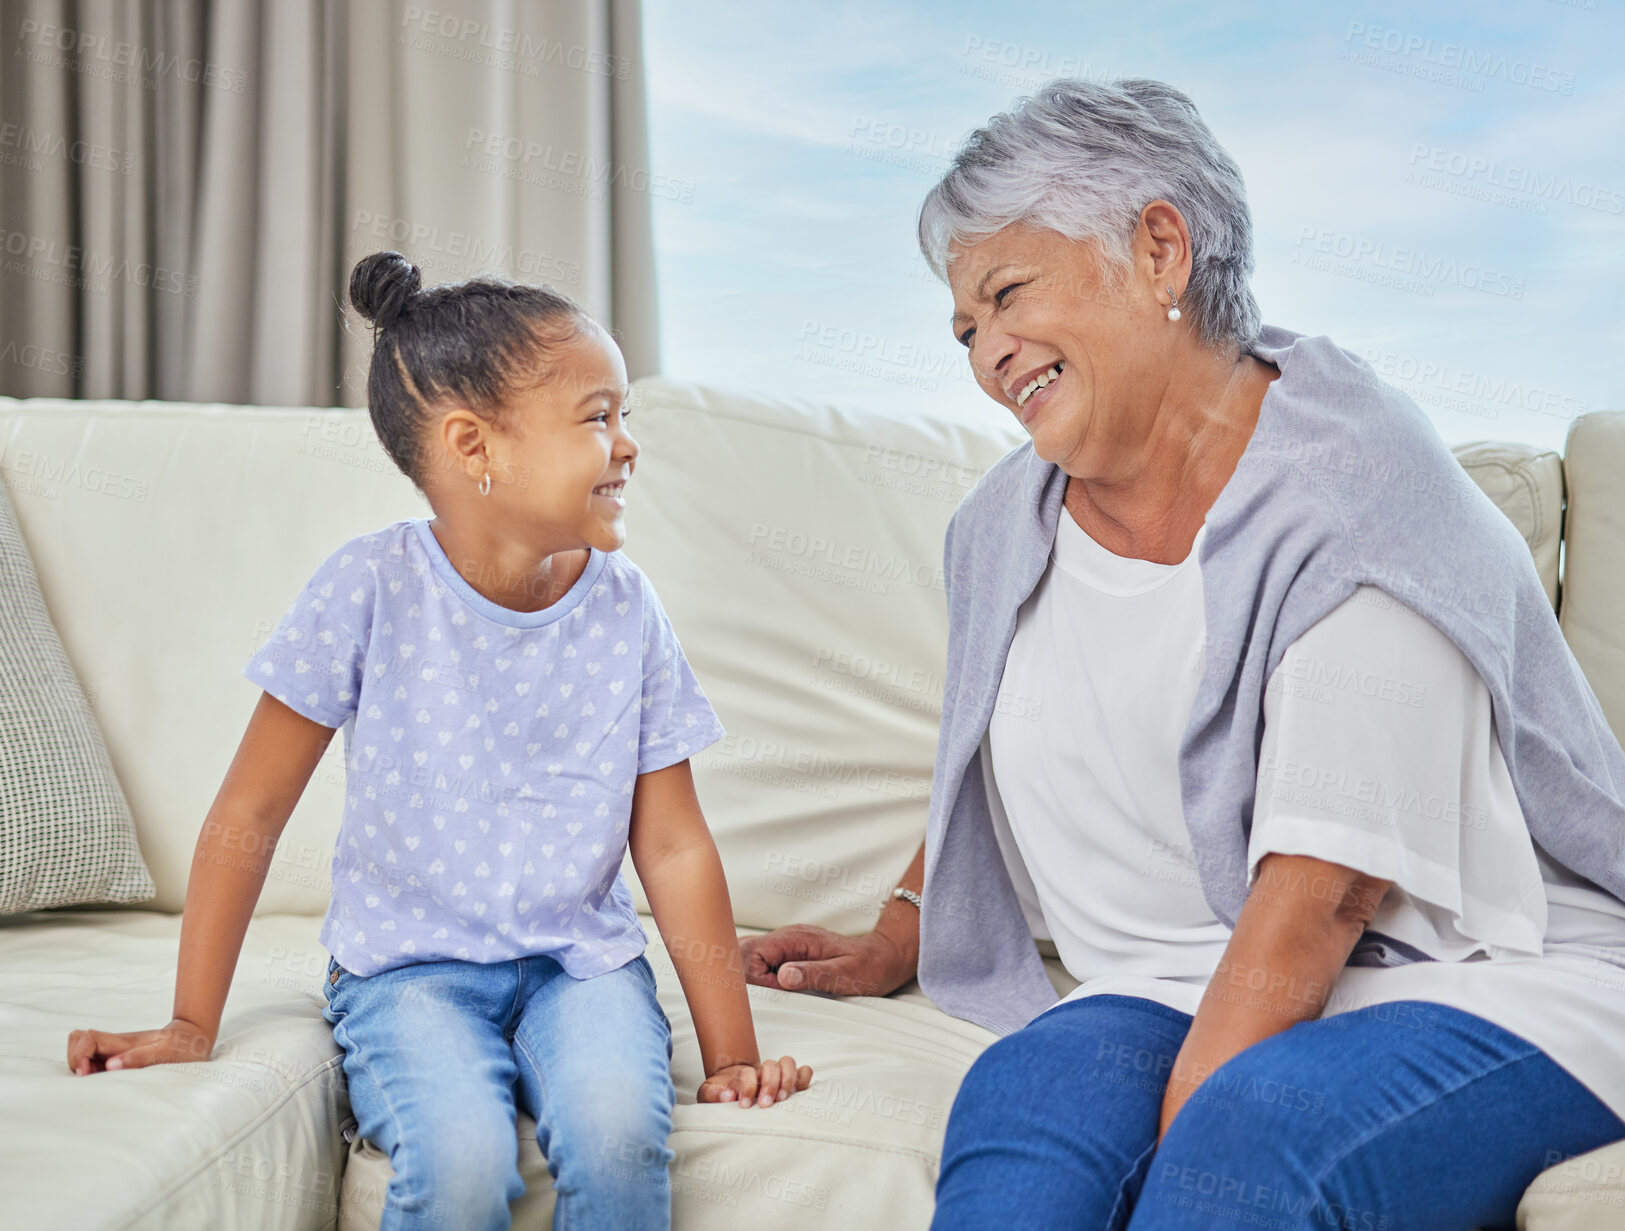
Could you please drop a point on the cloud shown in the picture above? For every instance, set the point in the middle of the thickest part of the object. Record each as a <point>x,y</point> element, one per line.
<point>814,131</point>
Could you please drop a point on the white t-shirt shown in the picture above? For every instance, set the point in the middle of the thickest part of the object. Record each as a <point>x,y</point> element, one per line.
<point>1379,753</point>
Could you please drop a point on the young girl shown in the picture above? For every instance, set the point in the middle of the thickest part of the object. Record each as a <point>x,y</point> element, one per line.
<point>518,714</point>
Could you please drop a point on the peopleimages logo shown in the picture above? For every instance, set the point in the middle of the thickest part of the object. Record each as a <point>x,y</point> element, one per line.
<point>96,55</point>
<point>877,355</point>
<point>1456,60</point>
<point>21,145</point>
<point>913,149</point>
<point>501,47</point>
<point>868,563</point>
<point>1492,173</point>
<point>533,162</point>
<point>48,259</point>
<point>1429,377</point>
<point>1408,262</point>
<point>468,250</point>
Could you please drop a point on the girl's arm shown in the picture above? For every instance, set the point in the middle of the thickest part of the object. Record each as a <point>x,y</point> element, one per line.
<point>677,862</point>
<point>1292,938</point>
<point>278,753</point>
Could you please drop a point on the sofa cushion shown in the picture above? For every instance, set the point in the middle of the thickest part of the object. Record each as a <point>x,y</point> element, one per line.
<point>248,1139</point>
<point>254,1138</point>
<point>1526,483</point>
<point>1584,1193</point>
<point>66,834</point>
<point>857,1149</point>
<point>1593,611</point>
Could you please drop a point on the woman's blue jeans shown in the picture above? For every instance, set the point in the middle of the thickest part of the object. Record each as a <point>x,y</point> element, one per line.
<point>439,1054</point>
<point>1394,1117</point>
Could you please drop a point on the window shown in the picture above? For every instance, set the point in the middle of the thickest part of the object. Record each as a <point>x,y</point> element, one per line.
<point>1444,198</point>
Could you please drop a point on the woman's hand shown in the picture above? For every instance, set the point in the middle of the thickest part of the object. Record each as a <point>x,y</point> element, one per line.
<point>756,1085</point>
<point>872,964</point>
<point>95,1051</point>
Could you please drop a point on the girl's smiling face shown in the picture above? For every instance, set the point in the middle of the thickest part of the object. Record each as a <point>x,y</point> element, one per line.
<point>559,457</point>
<point>569,455</point>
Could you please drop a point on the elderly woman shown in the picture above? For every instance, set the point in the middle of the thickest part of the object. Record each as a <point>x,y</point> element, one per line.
<point>1319,808</point>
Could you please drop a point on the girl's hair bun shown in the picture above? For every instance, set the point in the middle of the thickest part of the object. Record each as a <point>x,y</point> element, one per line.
<point>381,284</point>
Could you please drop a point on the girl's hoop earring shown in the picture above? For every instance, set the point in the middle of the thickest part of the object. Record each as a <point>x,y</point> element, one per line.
<point>485,484</point>
<point>1173,307</point>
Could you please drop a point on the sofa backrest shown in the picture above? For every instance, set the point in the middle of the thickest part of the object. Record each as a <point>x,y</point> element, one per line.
<point>1527,485</point>
<point>169,538</point>
<point>1593,605</point>
<point>797,548</point>
<point>829,685</point>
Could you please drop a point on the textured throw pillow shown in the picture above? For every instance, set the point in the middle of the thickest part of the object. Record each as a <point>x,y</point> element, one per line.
<point>66,834</point>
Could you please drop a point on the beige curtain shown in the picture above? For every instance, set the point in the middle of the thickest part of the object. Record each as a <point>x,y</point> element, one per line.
<point>184,185</point>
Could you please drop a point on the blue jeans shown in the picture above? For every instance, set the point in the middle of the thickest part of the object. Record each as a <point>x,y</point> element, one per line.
<point>1392,1117</point>
<point>439,1054</point>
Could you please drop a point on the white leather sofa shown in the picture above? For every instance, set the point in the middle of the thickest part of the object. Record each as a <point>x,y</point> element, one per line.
<point>798,550</point>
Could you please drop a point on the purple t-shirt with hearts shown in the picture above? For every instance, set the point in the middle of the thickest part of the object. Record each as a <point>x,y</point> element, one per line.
<point>490,754</point>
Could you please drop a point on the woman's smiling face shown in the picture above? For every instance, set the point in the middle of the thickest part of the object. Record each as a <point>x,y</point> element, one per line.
<point>1073,358</point>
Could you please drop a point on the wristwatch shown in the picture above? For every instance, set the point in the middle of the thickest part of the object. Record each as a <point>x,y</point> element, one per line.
<point>908,895</point>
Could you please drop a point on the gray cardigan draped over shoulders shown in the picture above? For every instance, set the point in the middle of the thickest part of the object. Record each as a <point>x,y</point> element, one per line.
<point>1343,482</point>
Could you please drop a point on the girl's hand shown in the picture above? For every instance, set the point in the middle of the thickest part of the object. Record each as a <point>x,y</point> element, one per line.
<point>95,1051</point>
<point>756,1085</point>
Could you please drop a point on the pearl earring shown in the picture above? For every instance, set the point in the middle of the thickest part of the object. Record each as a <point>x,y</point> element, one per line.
<point>1173,308</point>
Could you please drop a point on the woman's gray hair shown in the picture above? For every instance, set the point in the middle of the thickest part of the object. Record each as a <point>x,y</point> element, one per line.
<point>1083,158</point>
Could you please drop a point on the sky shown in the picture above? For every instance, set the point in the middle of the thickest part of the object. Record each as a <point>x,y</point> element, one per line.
<point>1441,191</point>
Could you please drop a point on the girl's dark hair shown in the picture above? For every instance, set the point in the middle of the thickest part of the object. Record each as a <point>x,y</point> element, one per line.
<point>476,343</point>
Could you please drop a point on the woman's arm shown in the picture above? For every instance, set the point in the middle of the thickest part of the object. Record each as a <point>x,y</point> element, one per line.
<point>677,861</point>
<point>1292,938</point>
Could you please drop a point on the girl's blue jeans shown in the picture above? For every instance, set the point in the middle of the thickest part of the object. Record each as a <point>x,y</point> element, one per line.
<point>1394,1117</point>
<point>439,1055</point>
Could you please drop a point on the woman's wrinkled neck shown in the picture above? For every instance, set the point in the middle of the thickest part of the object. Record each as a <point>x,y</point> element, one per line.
<point>1196,438</point>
